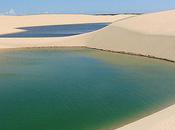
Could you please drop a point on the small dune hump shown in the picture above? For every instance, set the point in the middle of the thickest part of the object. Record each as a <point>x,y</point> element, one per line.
<point>161,23</point>
<point>151,35</point>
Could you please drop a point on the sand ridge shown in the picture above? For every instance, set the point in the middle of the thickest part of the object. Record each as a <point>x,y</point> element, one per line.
<point>160,23</point>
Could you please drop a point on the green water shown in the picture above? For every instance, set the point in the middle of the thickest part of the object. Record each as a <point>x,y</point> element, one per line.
<point>80,89</point>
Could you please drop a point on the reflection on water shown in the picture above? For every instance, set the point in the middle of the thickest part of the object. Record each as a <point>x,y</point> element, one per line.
<point>80,89</point>
<point>56,30</point>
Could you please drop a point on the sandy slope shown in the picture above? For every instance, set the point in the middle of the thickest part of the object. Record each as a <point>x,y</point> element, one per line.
<point>163,120</point>
<point>149,34</point>
<point>161,23</point>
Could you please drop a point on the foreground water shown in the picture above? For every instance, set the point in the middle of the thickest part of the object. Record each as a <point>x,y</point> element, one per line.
<point>80,89</point>
<point>56,30</point>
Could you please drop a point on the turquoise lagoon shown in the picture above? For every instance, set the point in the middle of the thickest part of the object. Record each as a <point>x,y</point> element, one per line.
<point>80,89</point>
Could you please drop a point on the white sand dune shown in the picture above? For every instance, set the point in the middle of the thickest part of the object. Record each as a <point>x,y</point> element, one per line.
<point>163,120</point>
<point>149,35</point>
<point>161,23</point>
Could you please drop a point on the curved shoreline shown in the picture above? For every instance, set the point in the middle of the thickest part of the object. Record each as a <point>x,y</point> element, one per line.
<point>119,52</point>
<point>134,54</point>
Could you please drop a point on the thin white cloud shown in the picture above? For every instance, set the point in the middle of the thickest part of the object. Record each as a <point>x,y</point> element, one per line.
<point>9,12</point>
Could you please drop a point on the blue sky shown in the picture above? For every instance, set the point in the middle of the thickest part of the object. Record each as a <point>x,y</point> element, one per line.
<point>85,6</point>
